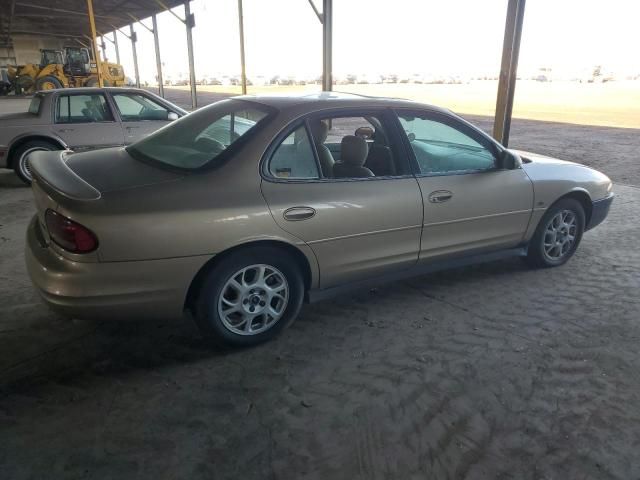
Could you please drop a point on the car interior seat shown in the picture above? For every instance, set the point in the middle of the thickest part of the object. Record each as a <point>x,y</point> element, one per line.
<point>94,110</point>
<point>320,131</point>
<point>380,160</point>
<point>353,154</point>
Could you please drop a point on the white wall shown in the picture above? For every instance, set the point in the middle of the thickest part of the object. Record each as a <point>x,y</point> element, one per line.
<point>27,47</point>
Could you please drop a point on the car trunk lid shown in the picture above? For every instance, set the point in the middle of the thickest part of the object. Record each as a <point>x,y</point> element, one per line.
<point>86,176</point>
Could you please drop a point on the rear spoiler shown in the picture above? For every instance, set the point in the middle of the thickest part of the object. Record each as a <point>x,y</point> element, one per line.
<point>53,175</point>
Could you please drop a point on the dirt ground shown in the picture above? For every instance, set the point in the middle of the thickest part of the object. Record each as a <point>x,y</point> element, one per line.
<point>612,104</point>
<point>492,371</point>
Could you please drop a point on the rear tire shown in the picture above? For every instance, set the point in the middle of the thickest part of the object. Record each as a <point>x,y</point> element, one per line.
<point>20,162</point>
<point>558,234</point>
<point>249,297</point>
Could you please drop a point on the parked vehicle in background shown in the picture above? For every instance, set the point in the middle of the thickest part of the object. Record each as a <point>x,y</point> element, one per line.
<point>241,210</point>
<point>80,119</point>
<point>258,80</point>
<point>211,80</point>
<point>72,67</point>
<point>280,80</point>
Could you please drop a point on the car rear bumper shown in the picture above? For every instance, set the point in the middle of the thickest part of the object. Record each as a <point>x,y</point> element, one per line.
<point>151,289</point>
<point>599,211</point>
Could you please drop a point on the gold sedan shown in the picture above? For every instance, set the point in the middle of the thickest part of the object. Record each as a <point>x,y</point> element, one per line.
<point>240,211</point>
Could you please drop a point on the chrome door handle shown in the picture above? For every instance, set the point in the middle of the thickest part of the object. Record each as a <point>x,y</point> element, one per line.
<point>294,214</point>
<point>62,130</point>
<point>131,128</point>
<point>440,196</point>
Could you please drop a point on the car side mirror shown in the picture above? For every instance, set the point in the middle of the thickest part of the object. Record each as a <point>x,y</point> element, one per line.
<point>509,160</point>
<point>171,116</point>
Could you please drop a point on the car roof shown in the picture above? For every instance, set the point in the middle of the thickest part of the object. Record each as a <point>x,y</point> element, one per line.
<point>90,90</point>
<point>285,101</point>
<point>322,100</point>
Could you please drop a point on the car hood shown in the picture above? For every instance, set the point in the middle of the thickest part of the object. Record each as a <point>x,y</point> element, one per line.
<point>89,175</point>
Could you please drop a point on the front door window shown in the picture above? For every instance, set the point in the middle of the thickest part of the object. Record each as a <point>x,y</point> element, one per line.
<point>134,107</point>
<point>442,148</point>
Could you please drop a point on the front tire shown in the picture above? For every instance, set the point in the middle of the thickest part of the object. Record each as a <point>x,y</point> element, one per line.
<point>48,82</point>
<point>558,234</point>
<point>249,297</point>
<point>21,163</point>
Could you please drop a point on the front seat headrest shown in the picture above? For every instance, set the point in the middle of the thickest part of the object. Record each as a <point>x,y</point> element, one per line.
<point>354,150</point>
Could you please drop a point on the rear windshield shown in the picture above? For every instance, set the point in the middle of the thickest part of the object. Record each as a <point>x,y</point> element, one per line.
<point>201,137</point>
<point>34,106</point>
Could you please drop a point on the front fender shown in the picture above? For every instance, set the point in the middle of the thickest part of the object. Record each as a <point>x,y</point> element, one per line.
<point>554,180</point>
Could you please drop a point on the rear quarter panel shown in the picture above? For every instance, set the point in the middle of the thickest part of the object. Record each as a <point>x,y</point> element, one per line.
<point>15,127</point>
<point>199,214</point>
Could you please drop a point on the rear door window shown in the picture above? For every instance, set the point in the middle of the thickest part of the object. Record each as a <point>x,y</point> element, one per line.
<point>82,108</point>
<point>379,155</point>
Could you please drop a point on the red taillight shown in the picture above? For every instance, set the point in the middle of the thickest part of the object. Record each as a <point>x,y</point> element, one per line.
<point>70,235</point>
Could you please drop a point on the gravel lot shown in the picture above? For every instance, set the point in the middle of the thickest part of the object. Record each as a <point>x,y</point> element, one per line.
<point>493,371</point>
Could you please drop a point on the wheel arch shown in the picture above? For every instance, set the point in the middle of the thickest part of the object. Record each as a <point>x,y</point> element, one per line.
<point>583,197</point>
<point>295,253</point>
<point>21,140</point>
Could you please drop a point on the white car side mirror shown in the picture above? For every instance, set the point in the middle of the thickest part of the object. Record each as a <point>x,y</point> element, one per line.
<point>171,116</point>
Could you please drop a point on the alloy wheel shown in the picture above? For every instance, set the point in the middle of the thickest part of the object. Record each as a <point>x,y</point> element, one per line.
<point>560,235</point>
<point>253,299</point>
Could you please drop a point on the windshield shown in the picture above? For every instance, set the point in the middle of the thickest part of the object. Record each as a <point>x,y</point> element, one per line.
<point>202,136</point>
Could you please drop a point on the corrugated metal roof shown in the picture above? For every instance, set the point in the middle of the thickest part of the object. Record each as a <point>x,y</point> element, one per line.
<point>69,18</point>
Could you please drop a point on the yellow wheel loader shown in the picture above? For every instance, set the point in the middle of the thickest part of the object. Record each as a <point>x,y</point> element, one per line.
<point>46,75</point>
<point>73,69</point>
<point>81,67</point>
